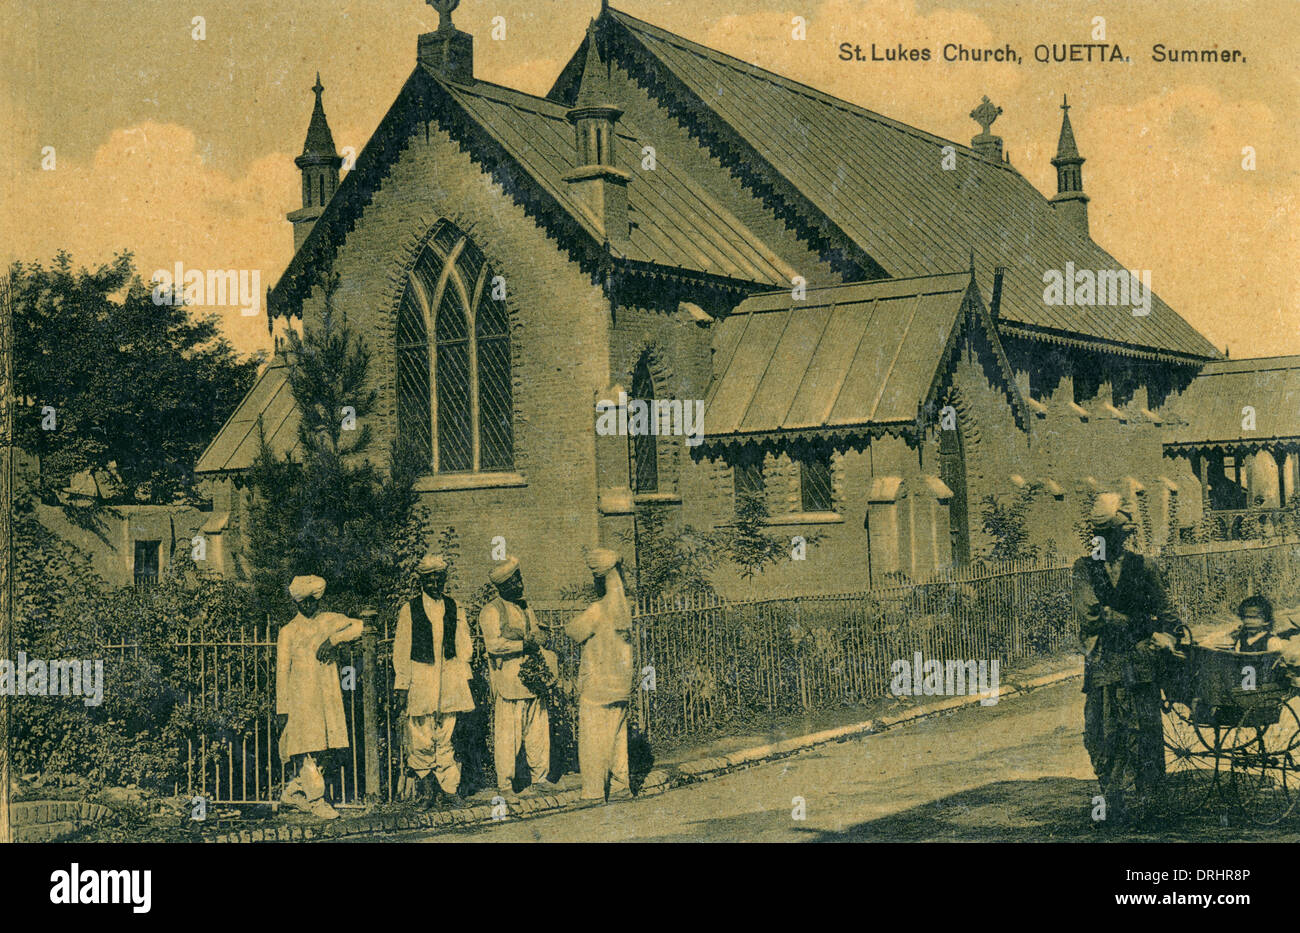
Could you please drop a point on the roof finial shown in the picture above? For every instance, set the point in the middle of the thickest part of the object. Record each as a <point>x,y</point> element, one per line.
<point>319,89</point>
<point>1065,102</point>
<point>445,9</point>
<point>985,114</point>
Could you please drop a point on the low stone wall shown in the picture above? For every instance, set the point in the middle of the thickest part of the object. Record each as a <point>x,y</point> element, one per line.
<point>43,820</point>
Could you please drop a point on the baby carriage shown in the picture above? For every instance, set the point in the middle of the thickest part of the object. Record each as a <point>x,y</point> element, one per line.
<point>1231,730</point>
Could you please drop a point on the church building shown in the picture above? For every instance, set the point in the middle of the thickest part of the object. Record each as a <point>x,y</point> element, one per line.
<point>862,311</point>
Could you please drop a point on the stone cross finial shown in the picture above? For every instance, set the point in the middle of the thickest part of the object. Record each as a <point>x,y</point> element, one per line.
<point>445,9</point>
<point>985,114</point>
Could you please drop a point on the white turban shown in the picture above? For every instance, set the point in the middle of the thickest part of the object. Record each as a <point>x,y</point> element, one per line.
<point>504,570</point>
<point>602,560</point>
<point>432,563</point>
<point>302,587</point>
<point>1109,512</point>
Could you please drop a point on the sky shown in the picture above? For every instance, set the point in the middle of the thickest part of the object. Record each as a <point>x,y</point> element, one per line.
<point>181,149</point>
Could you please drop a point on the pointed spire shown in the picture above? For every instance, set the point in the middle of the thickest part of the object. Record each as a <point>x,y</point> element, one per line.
<point>1065,146</point>
<point>1070,199</point>
<point>594,91</point>
<point>320,141</point>
<point>319,165</point>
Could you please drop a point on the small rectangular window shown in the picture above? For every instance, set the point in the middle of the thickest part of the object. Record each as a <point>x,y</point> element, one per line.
<point>815,483</point>
<point>146,562</point>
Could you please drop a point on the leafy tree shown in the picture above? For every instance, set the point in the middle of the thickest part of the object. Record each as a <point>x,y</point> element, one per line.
<point>141,385</point>
<point>137,734</point>
<point>746,542</point>
<point>669,561</point>
<point>331,511</point>
<point>1008,525</point>
<point>675,561</point>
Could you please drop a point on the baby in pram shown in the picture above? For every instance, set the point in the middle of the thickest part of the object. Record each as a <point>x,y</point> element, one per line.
<point>1256,631</point>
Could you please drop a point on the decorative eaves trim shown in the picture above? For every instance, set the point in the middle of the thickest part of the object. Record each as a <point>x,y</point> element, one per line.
<point>1032,332</point>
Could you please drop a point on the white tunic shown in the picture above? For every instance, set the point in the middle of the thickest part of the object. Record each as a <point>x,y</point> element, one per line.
<point>604,630</point>
<point>504,625</point>
<point>441,687</point>
<point>307,690</point>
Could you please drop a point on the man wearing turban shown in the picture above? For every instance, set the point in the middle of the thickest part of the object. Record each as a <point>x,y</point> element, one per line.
<point>520,717</point>
<point>604,630</point>
<point>308,697</point>
<point>1125,620</point>
<point>431,655</point>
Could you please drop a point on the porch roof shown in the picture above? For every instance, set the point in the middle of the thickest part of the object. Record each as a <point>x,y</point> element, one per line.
<point>237,443</point>
<point>1211,413</point>
<point>850,359</point>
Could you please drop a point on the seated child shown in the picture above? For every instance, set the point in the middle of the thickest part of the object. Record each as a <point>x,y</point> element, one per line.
<point>1256,630</point>
<point>1256,633</point>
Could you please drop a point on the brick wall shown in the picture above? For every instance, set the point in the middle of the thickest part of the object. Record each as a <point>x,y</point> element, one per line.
<point>559,324</point>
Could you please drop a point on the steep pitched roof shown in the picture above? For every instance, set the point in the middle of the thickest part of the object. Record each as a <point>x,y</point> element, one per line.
<point>675,223</point>
<point>527,143</point>
<point>1210,411</point>
<point>237,443</point>
<point>849,360</point>
<point>879,185</point>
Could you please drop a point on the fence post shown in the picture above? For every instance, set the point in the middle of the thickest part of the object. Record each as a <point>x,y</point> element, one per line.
<point>369,699</point>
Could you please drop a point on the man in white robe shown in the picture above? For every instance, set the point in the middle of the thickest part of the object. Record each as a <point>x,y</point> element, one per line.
<point>308,697</point>
<point>604,630</point>
<point>431,655</point>
<point>510,629</point>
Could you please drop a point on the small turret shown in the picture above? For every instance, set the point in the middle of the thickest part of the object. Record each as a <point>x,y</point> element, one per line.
<point>597,180</point>
<point>1070,199</point>
<point>319,164</point>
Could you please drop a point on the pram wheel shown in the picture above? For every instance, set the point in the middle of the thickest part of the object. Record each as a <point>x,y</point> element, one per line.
<point>1191,760</point>
<point>1264,765</point>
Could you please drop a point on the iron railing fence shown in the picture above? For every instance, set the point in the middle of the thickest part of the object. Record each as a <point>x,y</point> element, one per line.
<point>703,664</point>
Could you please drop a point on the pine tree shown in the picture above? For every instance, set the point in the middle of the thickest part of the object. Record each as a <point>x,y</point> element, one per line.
<point>328,509</point>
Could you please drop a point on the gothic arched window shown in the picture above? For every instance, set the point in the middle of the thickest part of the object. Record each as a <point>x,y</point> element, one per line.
<point>454,393</point>
<point>645,454</point>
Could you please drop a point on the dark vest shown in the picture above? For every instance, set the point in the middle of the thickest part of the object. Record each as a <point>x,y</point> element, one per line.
<point>422,631</point>
<point>1135,595</point>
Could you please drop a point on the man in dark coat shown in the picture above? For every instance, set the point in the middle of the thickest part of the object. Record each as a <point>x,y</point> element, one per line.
<point>1126,621</point>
